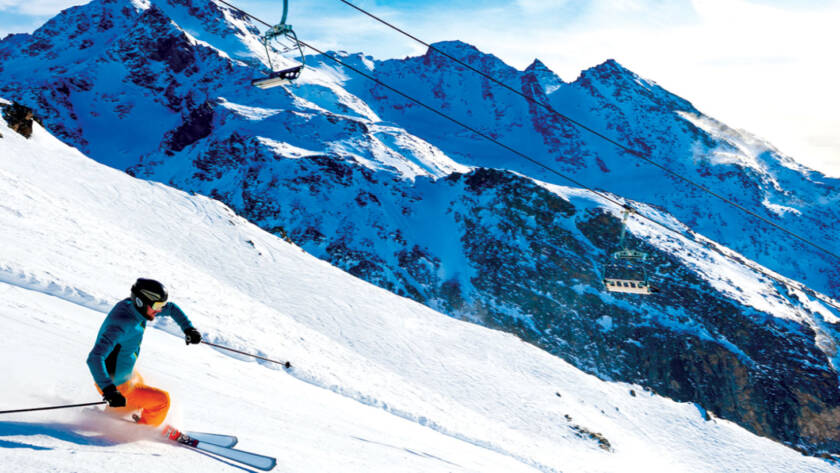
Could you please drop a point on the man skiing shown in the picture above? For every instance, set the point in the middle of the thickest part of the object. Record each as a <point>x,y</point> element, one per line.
<point>111,361</point>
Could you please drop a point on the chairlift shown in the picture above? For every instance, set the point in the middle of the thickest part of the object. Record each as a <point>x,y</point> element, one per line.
<point>631,280</point>
<point>275,34</point>
<point>626,272</point>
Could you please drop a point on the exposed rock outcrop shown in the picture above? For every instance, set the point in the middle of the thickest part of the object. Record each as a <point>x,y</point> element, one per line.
<point>19,118</point>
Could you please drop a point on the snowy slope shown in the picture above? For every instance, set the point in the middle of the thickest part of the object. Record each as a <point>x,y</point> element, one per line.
<point>378,380</point>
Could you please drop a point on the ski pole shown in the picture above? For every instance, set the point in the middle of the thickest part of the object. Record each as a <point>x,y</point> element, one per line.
<point>54,407</point>
<point>284,363</point>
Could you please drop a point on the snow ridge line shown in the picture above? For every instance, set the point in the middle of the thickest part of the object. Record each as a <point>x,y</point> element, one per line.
<point>67,293</point>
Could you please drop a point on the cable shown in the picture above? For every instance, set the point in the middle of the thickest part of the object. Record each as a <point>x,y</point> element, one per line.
<point>632,151</point>
<point>457,122</point>
<point>438,112</point>
<point>519,153</point>
<point>245,13</point>
<point>549,169</point>
<point>462,124</point>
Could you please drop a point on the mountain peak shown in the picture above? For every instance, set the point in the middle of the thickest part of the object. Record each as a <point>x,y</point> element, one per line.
<point>468,54</point>
<point>611,67</point>
<point>612,78</point>
<point>456,48</point>
<point>547,79</point>
<point>537,65</point>
<point>82,26</point>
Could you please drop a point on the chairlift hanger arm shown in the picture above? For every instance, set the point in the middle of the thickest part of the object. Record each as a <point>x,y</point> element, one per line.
<point>627,211</point>
<point>285,12</point>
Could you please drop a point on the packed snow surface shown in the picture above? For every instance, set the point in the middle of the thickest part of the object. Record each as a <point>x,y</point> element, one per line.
<point>379,383</point>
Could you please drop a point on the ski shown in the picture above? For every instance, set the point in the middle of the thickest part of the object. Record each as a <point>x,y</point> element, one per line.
<point>221,440</point>
<point>254,460</point>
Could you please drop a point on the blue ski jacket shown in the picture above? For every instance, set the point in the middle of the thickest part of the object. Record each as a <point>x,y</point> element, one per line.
<point>111,361</point>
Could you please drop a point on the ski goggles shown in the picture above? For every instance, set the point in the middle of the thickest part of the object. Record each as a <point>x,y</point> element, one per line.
<point>158,305</point>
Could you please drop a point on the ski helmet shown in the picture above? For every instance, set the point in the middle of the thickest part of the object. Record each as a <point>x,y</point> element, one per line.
<point>148,292</point>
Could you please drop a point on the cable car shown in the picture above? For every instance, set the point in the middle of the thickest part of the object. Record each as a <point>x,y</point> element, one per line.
<point>277,34</point>
<point>626,271</point>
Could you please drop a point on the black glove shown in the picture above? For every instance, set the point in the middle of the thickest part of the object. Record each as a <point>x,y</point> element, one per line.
<point>114,398</point>
<point>192,336</point>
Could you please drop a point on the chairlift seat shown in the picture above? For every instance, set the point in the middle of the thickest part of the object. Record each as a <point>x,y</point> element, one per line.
<point>278,78</point>
<point>276,33</point>
<point>626,277</point>
<point>628,286</point>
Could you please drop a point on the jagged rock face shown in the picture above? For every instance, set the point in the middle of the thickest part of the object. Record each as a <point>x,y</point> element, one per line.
<point>19,118</point>
<point>645,344</point>
<point>317,164</point>
<point>114,61</point>
<point>197,125</point>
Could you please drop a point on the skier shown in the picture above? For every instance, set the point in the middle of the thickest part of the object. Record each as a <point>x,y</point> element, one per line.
<point>111,361</point>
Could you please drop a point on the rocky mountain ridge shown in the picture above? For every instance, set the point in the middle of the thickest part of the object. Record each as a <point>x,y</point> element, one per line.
<point>641,116</point>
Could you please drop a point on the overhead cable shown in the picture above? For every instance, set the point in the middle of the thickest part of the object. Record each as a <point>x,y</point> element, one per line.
<point>598,134</point>
<point>538,163</point>
<point>521,154</point>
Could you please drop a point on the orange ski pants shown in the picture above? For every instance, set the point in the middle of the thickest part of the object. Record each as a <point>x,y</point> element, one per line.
<point>153,403</point>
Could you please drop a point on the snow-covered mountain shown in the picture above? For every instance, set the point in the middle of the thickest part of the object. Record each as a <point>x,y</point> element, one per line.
<point>379,382</point>
<point>638,114</point>
<point>373,184</point>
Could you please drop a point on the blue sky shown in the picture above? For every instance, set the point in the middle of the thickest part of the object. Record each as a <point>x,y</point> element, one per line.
<point>765,66</point>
